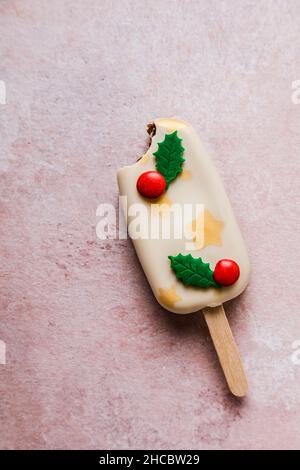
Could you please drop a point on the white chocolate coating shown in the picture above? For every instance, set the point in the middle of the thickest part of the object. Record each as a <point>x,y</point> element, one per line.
<point>199,183</point>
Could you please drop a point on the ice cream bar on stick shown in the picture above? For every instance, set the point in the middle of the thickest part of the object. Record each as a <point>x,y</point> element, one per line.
<point>185,234</point>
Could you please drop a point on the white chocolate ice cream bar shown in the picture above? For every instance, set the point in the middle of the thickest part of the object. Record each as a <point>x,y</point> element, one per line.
<point>198,183</point>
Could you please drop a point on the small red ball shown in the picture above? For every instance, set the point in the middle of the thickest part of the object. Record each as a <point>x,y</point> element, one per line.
<point>226,272</point>
<point>151,184</point>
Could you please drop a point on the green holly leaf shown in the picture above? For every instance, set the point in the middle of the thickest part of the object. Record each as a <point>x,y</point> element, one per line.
<point>192,271</point>
<point>169,157</point>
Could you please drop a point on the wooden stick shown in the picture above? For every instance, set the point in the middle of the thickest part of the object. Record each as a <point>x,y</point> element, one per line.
<point>227,350</point>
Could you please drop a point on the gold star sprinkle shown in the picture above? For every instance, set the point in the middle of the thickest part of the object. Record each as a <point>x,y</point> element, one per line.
<point>168,297</point>
<point>163,199</point>
<point>212,230</point>
<point>185,175</point>
<point>162,204</point>
<point>144,160</point>
<point>171,124</point>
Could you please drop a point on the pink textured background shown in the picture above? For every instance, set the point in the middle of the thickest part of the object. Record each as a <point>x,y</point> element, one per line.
<point>92,360</point>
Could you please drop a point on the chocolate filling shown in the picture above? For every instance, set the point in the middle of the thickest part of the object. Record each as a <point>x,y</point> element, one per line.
<point>151,129</point>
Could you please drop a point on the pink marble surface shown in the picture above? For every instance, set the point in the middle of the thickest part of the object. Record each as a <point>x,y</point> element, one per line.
<point>92,360</point>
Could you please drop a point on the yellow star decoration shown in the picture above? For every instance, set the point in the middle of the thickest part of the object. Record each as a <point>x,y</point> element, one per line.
<point>163,204</point>
<point>172,124</point>
<point>163,199</point>
<point>185,175</point>
<point>169,297</point>
<point>212,230</point>
<point>144,160</point>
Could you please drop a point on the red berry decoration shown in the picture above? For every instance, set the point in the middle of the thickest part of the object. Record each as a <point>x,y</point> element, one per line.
<point>226,272</point>
<point>151,184</point>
